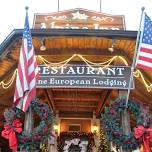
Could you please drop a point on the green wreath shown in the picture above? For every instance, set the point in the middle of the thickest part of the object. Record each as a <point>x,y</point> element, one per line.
<point>111,123</point>
<point>31,141</point>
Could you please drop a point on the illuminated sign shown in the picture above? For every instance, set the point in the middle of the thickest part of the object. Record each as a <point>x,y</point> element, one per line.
<point>79,19</point>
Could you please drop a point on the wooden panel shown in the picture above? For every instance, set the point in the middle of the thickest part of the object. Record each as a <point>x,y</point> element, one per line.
<point>86,90</point>
<point>92,43</point>
<point>36,43</point>
<point>87,43</point>
<point>127,45</point>
<point>85,124</point>
<point>106,44</point>
<point>87,100</point>
<point>74,95</point>
<point>75,114</point>
<point>99,43</point>
<point>15,54</point>
<point>62,43</point>
<point>69,42</point>
<point>80,43</point>
<point>75,42</point>
<point>75,109</point>
<point>104,98</point>
<point>76,103</point>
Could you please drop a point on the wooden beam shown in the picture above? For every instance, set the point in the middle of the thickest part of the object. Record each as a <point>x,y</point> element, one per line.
<point>74,105</point>
<point>9,72</point>
<point>137,96</point>
<point>4,106</point>
<point>79,90</point>
<point>72,95</point>
<point>50,98</point>
<point>103,100</point>
<point>75,114</point>
<point>82,109</point>
<point>69,99</point>
<point>83,51</point>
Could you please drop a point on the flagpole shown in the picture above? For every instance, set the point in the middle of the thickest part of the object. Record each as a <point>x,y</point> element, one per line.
<point>125,116</point>
<point>135,55</point>
<point>58,5</point>
<point>100,5</point>
<point>138,36</point>
<point>28,122</point>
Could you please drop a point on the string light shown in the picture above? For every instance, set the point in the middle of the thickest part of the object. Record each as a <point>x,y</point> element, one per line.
<point>58,64</point>
<point>89,63</point>
<point>137,73</point>
<point>97,64</point>
<point>10,82</point>
<point>124,61</point>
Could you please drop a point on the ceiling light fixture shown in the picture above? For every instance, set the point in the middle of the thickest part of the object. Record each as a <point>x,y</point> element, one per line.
<point>111,49</point>
<point>42,47</point>
<point>95,128</point>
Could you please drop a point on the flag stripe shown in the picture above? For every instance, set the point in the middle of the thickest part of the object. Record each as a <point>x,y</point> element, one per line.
<point>146,50</point>
<point>145,45</point>
<point>18,91</point>
<point>29,98</point>
<point>27,74</point>
<point>144,66</point>
<point>145,63</point>
<point>22,73</point>
<point>144,56</point>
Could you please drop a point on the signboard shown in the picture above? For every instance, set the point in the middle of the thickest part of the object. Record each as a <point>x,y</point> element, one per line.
<point>79,19</point>
<point>83,76</point>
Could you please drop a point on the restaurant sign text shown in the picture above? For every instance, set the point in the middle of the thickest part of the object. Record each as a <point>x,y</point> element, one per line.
<point>83,76</point>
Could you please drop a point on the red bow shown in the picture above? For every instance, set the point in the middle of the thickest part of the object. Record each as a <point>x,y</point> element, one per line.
<point>145,134</point>
<point>9,133</point>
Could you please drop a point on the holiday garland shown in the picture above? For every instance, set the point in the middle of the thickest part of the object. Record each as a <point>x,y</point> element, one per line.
<point>31,141</point>
<point>111,122</point>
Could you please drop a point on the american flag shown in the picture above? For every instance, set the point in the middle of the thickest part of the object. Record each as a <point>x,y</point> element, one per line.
<point>144,55</point>
<point>27,73</point>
